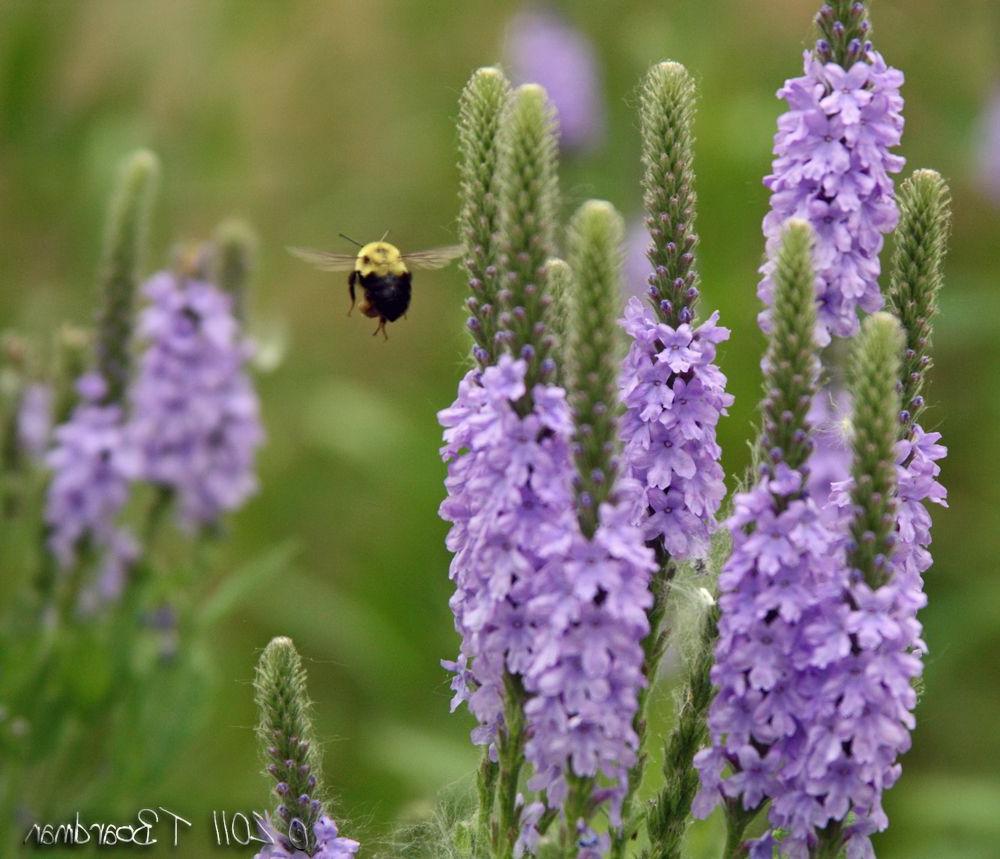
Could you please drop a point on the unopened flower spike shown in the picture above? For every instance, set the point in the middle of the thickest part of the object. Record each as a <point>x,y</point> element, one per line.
<point>593,353</point>
<point>300,825</point>
<point>529,199</point>
<point>833,167</point>
<point>235,256</point>
<point>124,246</point>
<point>874,373</point>
<point>480,110</point>
<point>667,111</point>
<point>917,275</point>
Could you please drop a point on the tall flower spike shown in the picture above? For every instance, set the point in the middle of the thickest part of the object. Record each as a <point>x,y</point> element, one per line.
<point>480,110</point>
<point>584,682</point>
<point>123,248</point>
<point>528,211</point>
<point>781,572</point>
<point>864,696</point>
<point>917,263</point>
<point>667,110</point>
<point>674,393</point>
<point>507,444</point>
<point>299,825</point>
<point>235,258</point>
<point>874,374</point>
<point>832,167</point>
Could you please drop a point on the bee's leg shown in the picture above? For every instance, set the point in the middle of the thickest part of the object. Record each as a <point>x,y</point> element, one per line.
<point>351,280</point>
<point>381,327</point>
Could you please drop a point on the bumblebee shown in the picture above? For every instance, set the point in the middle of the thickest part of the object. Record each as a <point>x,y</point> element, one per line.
<point>383,273</point>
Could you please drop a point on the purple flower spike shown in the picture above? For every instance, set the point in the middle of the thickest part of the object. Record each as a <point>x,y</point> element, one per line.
<point>781,623</point>
<point>195,412</point>
<point>674,395</point>
<point>586,674</point>
<point>510,502</point>
<point>543,48</point>
<point>833,168</point>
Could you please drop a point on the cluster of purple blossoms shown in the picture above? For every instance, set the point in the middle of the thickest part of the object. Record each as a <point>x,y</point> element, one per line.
<point>674,395</point>
<point>510,502</point>
<point>776,634</point>
<point>543,48</point>
<point>195,412</point>
<point>586,676</point>
<point>329,843</point>
<point>814,667</point>
<point>534,596</point>
<point>833,168</point>
<point>93,466</point>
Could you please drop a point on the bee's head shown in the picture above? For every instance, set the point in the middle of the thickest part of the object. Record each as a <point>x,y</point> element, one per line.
<point>380,258</point>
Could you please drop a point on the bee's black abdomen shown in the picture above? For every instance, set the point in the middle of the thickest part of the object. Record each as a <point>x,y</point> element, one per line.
<point>389,294</point>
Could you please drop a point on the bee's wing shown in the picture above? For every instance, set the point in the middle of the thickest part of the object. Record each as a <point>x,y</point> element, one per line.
<point>435,257</point>
<point>325,260</point>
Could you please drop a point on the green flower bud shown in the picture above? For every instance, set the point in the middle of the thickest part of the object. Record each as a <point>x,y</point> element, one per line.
<point>124,245</point>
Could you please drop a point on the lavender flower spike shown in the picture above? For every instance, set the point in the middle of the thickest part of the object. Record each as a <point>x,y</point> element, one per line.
<point>672,390</point>
<point>864,697</point>
<point>781,574</point>
<point>507,444</point>
<point>833,167</point>
<point>585,679</point>
<point>195,415</point>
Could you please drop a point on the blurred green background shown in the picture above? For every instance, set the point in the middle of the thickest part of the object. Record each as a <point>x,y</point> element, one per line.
<point>309,118</point>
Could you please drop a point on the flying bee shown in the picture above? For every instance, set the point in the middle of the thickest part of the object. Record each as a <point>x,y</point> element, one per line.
<point>383,273</point>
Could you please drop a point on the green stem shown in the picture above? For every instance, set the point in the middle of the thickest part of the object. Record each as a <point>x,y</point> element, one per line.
<point>487,789</point>
<point>831,840</point>
<point>511,751</point>
<point>737,821</point>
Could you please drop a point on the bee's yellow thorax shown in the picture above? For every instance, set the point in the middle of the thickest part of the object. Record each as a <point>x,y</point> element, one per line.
<point>380,259</point>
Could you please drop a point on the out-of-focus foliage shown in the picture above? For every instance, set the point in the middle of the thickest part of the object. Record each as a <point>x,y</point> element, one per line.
<point>308,118</point>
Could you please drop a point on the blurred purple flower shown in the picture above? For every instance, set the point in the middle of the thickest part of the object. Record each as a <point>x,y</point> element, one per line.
<point>34,419</point>
<point>195,414</point>
<point>543,48</point>
<point>989,148</point>
<point>674,395</point>
<point>833,168</point>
